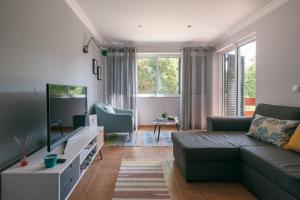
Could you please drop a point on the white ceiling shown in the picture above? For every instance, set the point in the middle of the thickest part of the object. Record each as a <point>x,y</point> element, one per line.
<point>165,21</point>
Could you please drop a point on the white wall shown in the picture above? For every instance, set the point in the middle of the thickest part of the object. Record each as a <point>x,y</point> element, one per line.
<point>278,55</point>
<point>41,42</point>
<point>151,107</point>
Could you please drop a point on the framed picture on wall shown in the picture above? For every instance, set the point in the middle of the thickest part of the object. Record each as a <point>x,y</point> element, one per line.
<point>95,64</point>
<point>98,73</point>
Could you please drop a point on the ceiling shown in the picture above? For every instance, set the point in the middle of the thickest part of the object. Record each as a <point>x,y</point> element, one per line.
<point>166,21</point>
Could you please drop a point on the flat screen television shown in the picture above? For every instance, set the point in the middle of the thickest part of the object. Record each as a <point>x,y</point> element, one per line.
<point>65,103</point>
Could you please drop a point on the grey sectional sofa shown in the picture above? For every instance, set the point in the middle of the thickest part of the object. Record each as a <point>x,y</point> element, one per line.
<point>225,153</point>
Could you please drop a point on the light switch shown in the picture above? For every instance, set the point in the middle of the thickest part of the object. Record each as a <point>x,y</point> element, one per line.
<point>296,88</point>
<point>37,90</point>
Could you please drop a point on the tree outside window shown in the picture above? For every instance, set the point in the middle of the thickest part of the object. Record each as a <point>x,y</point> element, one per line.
<point>158,75</point>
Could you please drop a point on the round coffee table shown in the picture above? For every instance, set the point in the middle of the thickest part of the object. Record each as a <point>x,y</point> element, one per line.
<point>159,123</point>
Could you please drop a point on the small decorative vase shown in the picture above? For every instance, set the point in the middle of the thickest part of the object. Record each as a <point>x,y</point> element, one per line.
<point>164,115</point>
<point>24,144</point>
<point>24,161</point>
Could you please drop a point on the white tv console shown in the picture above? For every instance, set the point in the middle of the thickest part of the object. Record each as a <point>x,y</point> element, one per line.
<point>35,182</point>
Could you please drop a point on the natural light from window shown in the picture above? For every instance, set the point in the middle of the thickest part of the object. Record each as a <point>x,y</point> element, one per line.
<point>158,75</point>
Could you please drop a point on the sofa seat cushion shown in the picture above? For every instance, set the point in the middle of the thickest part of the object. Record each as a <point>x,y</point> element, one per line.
<point>211,146</point>
<point>278,165</point>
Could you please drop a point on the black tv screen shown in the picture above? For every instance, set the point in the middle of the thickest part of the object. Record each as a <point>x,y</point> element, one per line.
<point>65,103</point>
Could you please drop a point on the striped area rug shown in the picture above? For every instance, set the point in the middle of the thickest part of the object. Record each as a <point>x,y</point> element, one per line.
<point>140,180</point>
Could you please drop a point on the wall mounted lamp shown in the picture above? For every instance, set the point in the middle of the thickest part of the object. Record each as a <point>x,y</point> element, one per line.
<point>85,48</point>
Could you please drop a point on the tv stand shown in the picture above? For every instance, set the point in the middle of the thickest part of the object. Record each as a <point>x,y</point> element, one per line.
<point>36,182</point>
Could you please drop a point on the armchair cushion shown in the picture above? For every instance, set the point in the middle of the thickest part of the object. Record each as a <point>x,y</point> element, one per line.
<point>125,111</point>
<point>109,109</point>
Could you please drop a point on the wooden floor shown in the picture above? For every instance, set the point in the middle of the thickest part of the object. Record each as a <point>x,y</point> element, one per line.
<point>99,181</point>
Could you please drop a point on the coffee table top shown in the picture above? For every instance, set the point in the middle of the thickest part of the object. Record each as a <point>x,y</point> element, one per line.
<point>166,122</point>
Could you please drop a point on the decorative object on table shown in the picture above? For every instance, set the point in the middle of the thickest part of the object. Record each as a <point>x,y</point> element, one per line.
<point>164,115</point>
<point>93,120</point>
<point>141,179</point>
<point>50,160</point>
<point>98,73</point>
<point>24,147</point>
<point>95,65</point>
<point>172,118</point>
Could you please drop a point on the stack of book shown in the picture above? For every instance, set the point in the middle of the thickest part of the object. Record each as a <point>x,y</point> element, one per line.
<point>172,118</point>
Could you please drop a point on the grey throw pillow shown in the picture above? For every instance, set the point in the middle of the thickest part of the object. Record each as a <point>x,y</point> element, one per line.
<point>109,109</point>
<point>270,130</point>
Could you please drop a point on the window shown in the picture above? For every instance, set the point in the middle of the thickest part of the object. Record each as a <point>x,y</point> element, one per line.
<point>158,74</point>
<point>239,80</point>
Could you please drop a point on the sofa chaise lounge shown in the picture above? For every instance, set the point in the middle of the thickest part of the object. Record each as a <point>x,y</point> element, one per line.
<point>226,153</point>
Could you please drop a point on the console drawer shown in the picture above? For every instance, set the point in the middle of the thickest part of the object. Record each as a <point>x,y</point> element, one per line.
<point>69,172</point>
<point>65,190</point>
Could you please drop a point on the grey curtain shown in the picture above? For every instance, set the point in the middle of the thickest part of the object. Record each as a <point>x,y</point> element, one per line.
<point>121,78</point>
<point>196,87</point>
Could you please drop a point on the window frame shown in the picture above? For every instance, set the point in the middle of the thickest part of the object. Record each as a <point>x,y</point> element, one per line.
<point>232,47</point>
<point>157,56</point>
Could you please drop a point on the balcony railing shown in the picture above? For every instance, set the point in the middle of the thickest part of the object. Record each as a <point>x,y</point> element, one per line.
<point>249,106</point>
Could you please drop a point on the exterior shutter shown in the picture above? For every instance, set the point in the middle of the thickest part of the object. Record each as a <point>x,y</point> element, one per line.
<point>241,81</point>
<point>231,86</point>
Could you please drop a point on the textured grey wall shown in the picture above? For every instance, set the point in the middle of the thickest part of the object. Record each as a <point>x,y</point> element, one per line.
<point>41,42</point>
<point>278,53</point>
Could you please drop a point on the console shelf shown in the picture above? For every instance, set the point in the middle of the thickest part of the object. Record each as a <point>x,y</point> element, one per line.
<point>36,182</point>
<point>85,152</point>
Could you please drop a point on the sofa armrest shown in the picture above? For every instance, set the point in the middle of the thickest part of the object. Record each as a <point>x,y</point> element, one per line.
<point>118,116</point>
<point>126,111</point>
<point>228,123</point>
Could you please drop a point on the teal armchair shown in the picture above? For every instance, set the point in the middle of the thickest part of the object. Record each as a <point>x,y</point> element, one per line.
<point>120,121</point>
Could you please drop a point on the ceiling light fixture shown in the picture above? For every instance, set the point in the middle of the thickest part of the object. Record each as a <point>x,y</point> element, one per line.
<point>189,26</point>
<point>140,26</point>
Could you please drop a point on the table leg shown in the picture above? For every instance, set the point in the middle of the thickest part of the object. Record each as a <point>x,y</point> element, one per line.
<point>158,133</point>
<point>154,129</point>
<point>100,153</point>
<point>177,126</point>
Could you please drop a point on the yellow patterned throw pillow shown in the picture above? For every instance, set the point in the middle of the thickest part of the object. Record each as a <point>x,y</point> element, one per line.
<point>294,143</point>
<point>273,131</point>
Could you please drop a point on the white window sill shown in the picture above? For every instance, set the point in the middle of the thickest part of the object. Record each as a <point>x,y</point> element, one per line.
<point>159,95</point>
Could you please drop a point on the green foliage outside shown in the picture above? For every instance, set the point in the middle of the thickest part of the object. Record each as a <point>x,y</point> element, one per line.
<point>169,75</point>
<point>147,75</point>
<point>165,78</point>
<point>250,82</point>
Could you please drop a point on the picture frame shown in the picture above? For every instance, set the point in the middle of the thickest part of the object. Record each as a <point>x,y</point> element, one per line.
<point>98,73</point>
<point>95,65</point>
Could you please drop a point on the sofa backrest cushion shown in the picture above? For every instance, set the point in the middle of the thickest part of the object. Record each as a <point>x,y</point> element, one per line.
<point>278,112</point>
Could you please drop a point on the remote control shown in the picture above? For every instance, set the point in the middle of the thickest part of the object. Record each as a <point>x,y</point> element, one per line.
<point>61,160</point>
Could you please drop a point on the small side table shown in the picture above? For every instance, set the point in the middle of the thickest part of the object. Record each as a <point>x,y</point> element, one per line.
<point>159,123</point>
